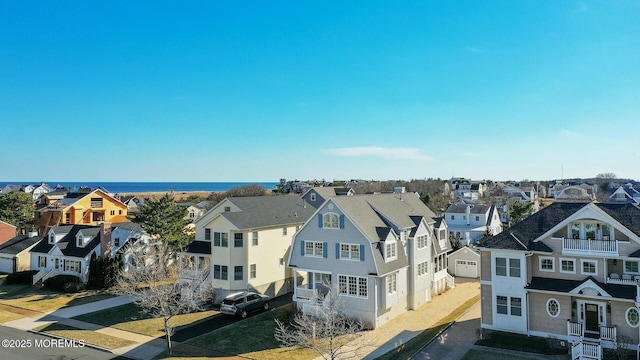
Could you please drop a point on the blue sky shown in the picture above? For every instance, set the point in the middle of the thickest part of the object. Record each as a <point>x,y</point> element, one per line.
<point>257,91</point>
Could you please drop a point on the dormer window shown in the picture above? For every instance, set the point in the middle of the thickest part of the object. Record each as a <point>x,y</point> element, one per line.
<point>79,240</point>
<point>52,238</point>
<point>390,250</point>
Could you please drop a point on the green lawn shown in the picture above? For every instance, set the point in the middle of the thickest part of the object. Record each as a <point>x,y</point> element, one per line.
<point>474,354</point>
<point>412,346</point>
<point>130,317</point>
<point>89,337</point>
<point>253,338</point>
<point>44,300</point>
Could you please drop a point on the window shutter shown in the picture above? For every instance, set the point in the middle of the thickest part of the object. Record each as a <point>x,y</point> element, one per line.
<point>361,252</point>
<point>341,221</point>
<point>324,250</point>
<point>337,250</point>
<point>319,220</point>
<point>302,247</point>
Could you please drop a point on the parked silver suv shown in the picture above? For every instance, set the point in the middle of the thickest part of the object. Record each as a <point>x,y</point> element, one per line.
<point>241,304</point>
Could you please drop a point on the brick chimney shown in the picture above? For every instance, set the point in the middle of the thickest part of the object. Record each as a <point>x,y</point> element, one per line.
<point>105,239</point>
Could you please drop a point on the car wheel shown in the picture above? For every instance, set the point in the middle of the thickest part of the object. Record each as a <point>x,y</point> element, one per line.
<point>243,314</point>
<point>265,306</point>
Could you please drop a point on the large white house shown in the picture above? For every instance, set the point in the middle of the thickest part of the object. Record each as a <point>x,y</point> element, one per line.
<point>471,222</point>
<point>570,271</point>
<point>242,244</point>
<point>385,254</point>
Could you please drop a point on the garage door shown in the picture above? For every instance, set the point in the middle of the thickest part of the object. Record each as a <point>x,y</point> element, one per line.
<point>466,268</point>
<point>6,265</point>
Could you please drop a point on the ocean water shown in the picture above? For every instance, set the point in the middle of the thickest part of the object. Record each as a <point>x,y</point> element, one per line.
<point>140,187</point>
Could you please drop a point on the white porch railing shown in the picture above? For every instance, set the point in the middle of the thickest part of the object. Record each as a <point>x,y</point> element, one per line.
<point>575,329</point>
<point>586,351</point>
<point>611,280</point>
<point>304,293</point>
<point>589,246</point>
<point>451,282</point>
<point>52,273</point>
<point>608,333</point>
<point>39,275</point>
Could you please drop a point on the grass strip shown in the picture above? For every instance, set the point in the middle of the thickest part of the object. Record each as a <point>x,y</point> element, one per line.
<point>88,336</point>
<point>408,349</point>
<point>130,317</point>
<point>6,316</point>
<point>44,300</point>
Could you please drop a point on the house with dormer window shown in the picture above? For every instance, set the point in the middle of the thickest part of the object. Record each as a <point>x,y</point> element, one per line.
<point>68,249</point>
<point>382,253</point>
<point>570,271</point>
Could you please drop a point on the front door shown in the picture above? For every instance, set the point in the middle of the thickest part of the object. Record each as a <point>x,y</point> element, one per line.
<point>591,317</point>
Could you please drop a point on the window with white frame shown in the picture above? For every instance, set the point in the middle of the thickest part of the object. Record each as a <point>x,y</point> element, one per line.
<point>254,238</point>
<point>220,272</point>
<point>72,265</point>
<point>330,221</point>
<point>284,231</point>
<point>207,234</point>
<point>352,286</point>
<point>313,248</point>
<point>631,267</point>
<point>390,250</point>
<point>507,267</point>
<point>392,283</point>
<point>632,316</point>
<point>546,263</point>
<point>502,305</point>
<point>501,266</point>
<point>509,305</point>
<point>514,267</point>
<point>252,271</point>
<point>590,267</point>
<point>238,272</point>
<point>568,266</point>
<point>553,307</point>
<point>516,306</point>
<point>350,251</point>
<point>42,261</point>
<point>422,241</point>
<point>423,268</point>
<point>220,239</point>
<point>312,197</point>
<point>238,240</point>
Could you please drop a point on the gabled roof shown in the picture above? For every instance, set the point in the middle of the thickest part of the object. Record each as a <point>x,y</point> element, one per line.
<point>459,208</point>
<point>67,244</point>
<point>522,236</point>
<point>266,211</point>
<point>18,244</point>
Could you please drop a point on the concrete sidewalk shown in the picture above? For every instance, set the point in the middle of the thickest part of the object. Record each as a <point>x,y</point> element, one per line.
<point>147,348</point>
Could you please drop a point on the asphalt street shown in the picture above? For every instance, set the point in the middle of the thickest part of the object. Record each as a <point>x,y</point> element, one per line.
<point>21,345</point>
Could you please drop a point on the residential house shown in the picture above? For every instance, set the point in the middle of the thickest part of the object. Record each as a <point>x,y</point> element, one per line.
<point>242,243</point>
<point>569,271</point>
<point>14,254</point>
<point>380,252</point>
<point>35,190</point>
<point>625,194</point>
<point>194,211</point>
<point>68,249</point>
<point>316,196</point>
<point>7,232</point>
<point>572,191</point>
<point>471,222</point>
<point>467,189</point>
<point>79,207</point>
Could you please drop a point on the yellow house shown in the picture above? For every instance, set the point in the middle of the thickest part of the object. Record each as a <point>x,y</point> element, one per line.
<point>91,208</point>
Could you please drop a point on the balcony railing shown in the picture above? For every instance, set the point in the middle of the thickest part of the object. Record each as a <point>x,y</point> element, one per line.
<point>606,247</point>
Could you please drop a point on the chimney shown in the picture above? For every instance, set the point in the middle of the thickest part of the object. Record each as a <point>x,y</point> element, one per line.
<point>468,213</point>
<point>105,239</point>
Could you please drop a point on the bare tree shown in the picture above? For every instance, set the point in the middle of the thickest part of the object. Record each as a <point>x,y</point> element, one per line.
<point>152,277</point>
<point>327,331</point>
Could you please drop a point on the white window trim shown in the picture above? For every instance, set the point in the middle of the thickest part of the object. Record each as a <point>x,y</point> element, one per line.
<point>560,260</point>
<point>388,258</point>
<point>312,197</point>
<point>324,222</point>
<point>582,261</point>
<point>553,263</point>
<point>559,308</point>
<point>423,268</point>
<point>314,247</point>
<point>357,286</point>
<point>350,257</point>
<point>626,316</point>
<point>392,283</point>
<point>624,267</point>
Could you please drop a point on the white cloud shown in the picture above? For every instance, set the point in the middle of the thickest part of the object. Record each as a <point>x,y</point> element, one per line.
<point>382,152</point>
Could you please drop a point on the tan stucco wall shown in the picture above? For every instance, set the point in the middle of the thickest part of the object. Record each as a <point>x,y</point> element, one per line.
<point>486,297</point>
<point>539,319</point>
<point>485,265</point>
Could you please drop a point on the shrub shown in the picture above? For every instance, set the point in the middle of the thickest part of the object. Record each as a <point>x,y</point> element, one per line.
<point>66,283</point>
<point>21,277</point>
